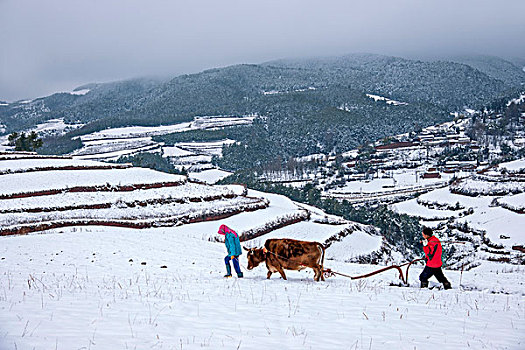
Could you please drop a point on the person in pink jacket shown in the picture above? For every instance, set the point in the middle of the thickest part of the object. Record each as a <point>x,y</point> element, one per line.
<point>233,246</point>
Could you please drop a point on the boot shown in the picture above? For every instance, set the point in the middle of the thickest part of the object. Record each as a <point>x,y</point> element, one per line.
<point>237,267</point>
<point>447,285</point>
<point>228,271</point>
<point>424,284</point>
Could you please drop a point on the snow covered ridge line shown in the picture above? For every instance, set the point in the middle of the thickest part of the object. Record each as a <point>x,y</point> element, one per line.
<point>130,204</point>
<point>278,223</point>
<point>104,147</point>
<point>514,203</point>
<point>384,196</point>
<point>513,167</point>
<point>474,188</point>
<point>371,230</point>
<point>65,167</point>
<point>207,214</point>
<point>500,178</point>
<point>96,188</point>
<point>436,214</point>
<point>440,206</point>
<point>29,155</point>
<point>426,187</point>
<point>16,164</point>
<point>114,155</point>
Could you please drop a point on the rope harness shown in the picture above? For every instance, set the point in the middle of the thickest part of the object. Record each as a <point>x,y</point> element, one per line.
<point>266,251</point>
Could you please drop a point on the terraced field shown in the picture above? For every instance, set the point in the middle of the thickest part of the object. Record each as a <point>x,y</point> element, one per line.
<point>39,193</point>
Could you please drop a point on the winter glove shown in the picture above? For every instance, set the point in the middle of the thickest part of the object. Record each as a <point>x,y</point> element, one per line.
<point>233,257</point>
<point>425,242</point>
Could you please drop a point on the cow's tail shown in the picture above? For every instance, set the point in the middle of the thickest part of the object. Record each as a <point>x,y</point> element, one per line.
<point>322,249</point>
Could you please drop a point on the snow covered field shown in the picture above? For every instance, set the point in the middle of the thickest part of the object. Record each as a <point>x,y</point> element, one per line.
<point>64,179</point>
<point>113,143</point>
<point>105,288</point>
<point>203,122</point>
<point>515,166</point>
<point>397,180</point>
<point>210,176</point>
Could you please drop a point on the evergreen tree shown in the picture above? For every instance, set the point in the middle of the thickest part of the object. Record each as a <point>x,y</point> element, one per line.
<point>23,142</point>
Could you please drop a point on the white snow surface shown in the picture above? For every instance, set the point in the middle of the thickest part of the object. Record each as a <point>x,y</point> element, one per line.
<point>154,213</point>
<point>80,92</point>
<point>67,199</point>
<point>114,155</point>
<point>411,207</point>
<point>103,287</point>
<point>135,131</point>
<point>28,164</point>
<point>87,287</point>
<point>514,166</point>
<point>174,152</point>
<point>357,244</point>
<point>516,202</point>
<point>63,179</point>
<point>207,148</point>
<point>210,176</point>
<point>54,127</point>
<point>202,122</point>
<point>388,101</point>
<point>401,179</point>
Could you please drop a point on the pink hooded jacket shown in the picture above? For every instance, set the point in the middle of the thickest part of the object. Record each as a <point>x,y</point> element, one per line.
<point>225,229</point>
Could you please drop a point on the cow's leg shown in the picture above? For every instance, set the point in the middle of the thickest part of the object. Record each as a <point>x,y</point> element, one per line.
<point>269,274</point>
<point>321,276</point>
<point>281,271</point>
<point>317,274</point>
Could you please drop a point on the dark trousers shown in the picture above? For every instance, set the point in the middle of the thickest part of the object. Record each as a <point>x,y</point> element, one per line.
<point>433,271</point>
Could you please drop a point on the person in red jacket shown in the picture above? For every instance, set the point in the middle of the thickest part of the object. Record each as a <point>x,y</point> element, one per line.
<point>432,249</point>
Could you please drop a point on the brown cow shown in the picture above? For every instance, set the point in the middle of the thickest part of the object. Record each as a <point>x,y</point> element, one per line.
<point>288,254</point>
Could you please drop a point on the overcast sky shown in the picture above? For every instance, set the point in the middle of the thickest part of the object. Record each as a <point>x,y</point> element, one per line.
<point>51,45</point>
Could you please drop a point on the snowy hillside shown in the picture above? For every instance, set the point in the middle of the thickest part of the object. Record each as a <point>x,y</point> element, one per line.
<point>162,287</point>
<point>111,288</point>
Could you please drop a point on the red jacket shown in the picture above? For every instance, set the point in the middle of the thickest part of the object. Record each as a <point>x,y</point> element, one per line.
<point>433,252</point>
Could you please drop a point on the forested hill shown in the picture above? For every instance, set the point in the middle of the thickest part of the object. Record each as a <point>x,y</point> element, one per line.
<point>510,72</point>
<point>308,105</point>
<point>472,82</point>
